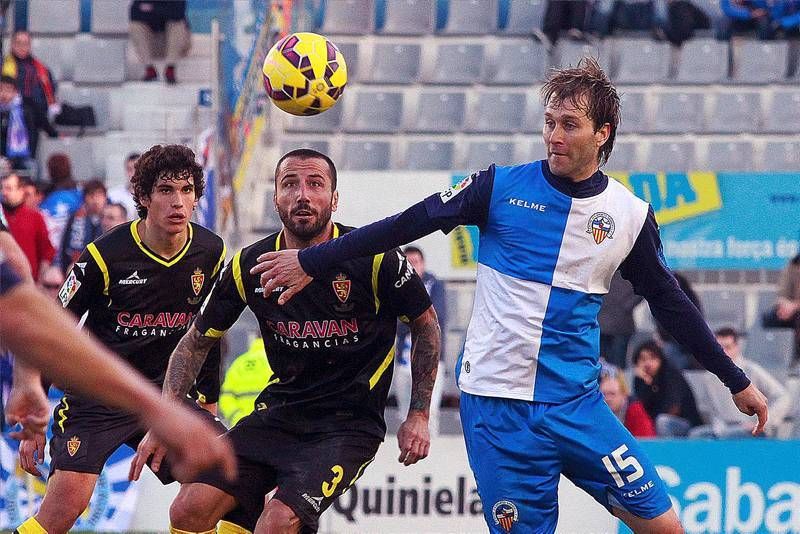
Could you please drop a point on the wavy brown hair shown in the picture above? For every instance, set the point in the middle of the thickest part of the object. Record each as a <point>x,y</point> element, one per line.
<point>173,161</point>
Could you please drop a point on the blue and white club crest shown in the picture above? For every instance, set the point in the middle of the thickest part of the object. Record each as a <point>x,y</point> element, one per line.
<point>601,225</point>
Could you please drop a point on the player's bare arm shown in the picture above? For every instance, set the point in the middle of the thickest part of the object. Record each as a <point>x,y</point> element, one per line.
<point>413,436</point>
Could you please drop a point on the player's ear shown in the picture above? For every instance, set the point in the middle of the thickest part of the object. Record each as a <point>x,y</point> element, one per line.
<point>334,201</point>
<point>602,134</point>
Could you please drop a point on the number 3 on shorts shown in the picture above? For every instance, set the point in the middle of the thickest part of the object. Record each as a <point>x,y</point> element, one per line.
<point>329,487</point>
<point>621,464</point>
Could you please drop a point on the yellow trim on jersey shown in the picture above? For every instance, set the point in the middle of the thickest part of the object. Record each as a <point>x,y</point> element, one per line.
<point>376,267</point>
<point>31,526</point>
<point>278,241</point>
<point>226,527</point>
<point>155,257</point>
<point>237,275</point>
<point>62,413</point>
<point>214,333</point>
<point>376,376</point>
<point>221,260</point>
<point>92,248</point>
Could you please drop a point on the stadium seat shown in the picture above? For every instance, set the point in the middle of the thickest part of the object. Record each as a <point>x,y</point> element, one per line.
<point>430,155</point>
<point>330,121</point>
<point>348,17</point>
<point>771,349</point>
<point>782,155</point>
<point>456,64</point>
<point>409,17</point>
<point>765,301</point>
<point>635,117</point>
<point>471,17</point>
<point>375,111</point>
<point>439,111</point>
<point>349,50</point>
<point>624,156</point>
<point>517,63</point>
<point>703,61</point>
<point>367,155</point>
<point>736,112</point>
<point>98,98</point>
<point>58,53</point>
<point>531,148</point>
<point>497,112</point>
<point>482,153</point>
<point>534,114</point>
<point>54,16</point>
<point>394,63</point>
<point>670,156</point>
<point>760,62</point>
<point>79,149</point>
<point>730,156</point>
<point>722,307</point>
<point>641,61</point>
<point>678,112</point>
<point>321,144</point>
<point>110,16</point>
<point>784,112</point>
<point>157,117</point>
<point>569,52</point>
<point>99,60</point>
<point>524,16</point>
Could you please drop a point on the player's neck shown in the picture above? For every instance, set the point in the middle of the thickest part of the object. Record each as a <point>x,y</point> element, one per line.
<point>165,244</point>
<point>292,241</point>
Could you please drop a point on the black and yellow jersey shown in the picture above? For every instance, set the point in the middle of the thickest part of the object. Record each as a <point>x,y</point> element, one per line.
<point>140,304</point>
<point>331,348</point>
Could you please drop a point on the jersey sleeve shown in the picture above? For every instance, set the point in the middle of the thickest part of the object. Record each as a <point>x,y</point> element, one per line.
<point>86,283</point>
<point>467,202</point>
<point>225,303</point>
<point>401,288</point>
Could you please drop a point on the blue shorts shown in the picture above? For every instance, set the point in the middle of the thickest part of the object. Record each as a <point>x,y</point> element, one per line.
<point>517,450</point>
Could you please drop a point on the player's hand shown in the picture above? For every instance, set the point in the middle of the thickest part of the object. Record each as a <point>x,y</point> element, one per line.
<point>281,269</point>
<point>751,401</point>
<point>27,405</point>
<point>414,438</point>
<point>148,447</point>
<point>31,452</point>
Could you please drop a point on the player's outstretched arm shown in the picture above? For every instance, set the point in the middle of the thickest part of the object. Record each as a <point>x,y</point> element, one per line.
<point>413,436</point>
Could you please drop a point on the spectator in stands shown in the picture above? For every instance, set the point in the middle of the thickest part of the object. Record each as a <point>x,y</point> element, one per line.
<point>149,18</point>
<point>114,214</point>
<point>64,197</point>
<point>18,133</point>
<point>664,392</point>
<point>34,81</point>
<point>123,194</point>
<point>84,226</point>
<point>616,321</point>
<point>608,16</point>
<point>565,15</point>
<point>788,306</point>
<point>27,226</point>
<point>627,408</point>
<point>34,191</point>
<point>726,423</point>
<point>766,17</point>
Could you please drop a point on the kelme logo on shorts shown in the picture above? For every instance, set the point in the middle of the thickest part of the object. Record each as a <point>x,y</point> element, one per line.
<point>505,514</point>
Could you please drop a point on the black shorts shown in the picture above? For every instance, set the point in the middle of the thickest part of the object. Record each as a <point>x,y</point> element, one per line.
<point>86,433</point>
<point>309,470</point>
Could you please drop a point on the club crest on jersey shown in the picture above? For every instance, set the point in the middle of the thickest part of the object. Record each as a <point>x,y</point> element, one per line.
<point>505,514</point>
<point>601,226</point>
<point>341,286</point>
<point>73,444</point>
<point>197,281</point>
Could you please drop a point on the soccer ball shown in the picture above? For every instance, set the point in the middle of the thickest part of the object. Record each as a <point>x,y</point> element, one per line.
<point>304,74</point>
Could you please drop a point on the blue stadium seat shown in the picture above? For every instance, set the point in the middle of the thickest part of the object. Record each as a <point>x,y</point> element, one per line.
<point>348,17</point>
<point>518,62</point>
<point>766,300</point>
<point>330,121</point>
<point>783,115</point>
<point>456,64</point>
<point>624,156</point>
<point>54,16</point>
<point>723,307</point>
<point>470,17</point>
<point>569,52</point>
<point>409,17</point>
<point>367,155</point>
<point>110,16</point>
<point>671,156</point>
<point>375,111</point>
<point>439,111</point>
<point>772,349</point>
<point>782,155</point>
<point>679,112</point>
<point>482,153</point>
<point>58,53</point>
<point>635,117</point>
<point>641,61</point>
<point>394,63</point>
<point>524,16</point>
<point>730,156</point>
<point>430,155</point>
<point>736,112</point>
<point>703,61</point>
<point>497,112</point>
<point>534,115</point>
<point>760,62</point>
<point>99,60</point>
<point>320,144</point>
<point>349,50</point>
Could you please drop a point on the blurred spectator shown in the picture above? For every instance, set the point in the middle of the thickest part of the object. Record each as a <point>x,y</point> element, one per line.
<point>616,321</point>
<point>114,214</point>
<point>675,354</point>
<point>766,17</point>
<point>63,199</point>
<point>788,306</point>
<point>18,133</point>
<point>627,408</point>
<point>84,226</point>
<point>34,192</point>
<point>150,18</point>
<point>244,380</point>
<point>726,421</point>
<point>27,226</point>
<point>568,16</point>
<point>123,194</point>
<point>609,16</point>
<point>34,81</point>
<point>402,369</point>
<point>664,392</point>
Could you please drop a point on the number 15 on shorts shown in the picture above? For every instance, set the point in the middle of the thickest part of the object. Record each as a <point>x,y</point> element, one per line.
<point>616,463</point>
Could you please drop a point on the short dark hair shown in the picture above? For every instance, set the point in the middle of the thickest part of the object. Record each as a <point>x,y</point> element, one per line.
<point>90,186</point>
<point>161,160</point>
<point>7,78</point>
<point>411,249</point>
<point>602,100</point>
<point>59,168</point>
<point>309,153</point>
<point>727,331</point>
<point>649,346</point>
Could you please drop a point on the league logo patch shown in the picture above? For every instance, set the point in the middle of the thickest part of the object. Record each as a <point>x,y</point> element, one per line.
<point>197,281</point>
<point>447,194</point>
<point>601,225</point>
<point>73,444</point>
<point>505,514</point>
<point>68,290</point>
<point>341,286</point>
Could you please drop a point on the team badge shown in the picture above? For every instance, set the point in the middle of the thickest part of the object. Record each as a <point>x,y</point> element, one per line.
<point>341,286</point>
<point>68,290</point>
<point>197,281</point>
<point>601,225</point>
<point>505,514</point>
<point>73,444</point>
